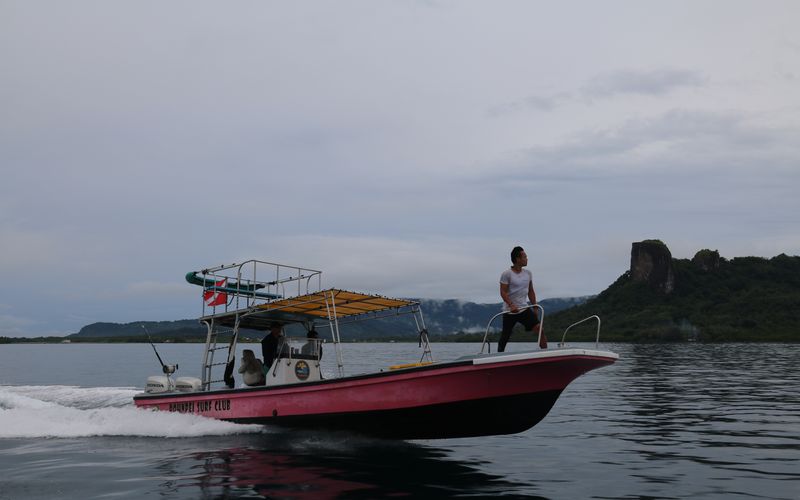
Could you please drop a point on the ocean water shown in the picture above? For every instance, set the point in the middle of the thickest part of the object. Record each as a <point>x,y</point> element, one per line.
<point>666,421</point>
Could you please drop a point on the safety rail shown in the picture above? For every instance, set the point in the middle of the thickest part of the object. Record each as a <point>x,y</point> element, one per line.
<point>489,325</point>
<point>584,320</point>
<point>232,287</point>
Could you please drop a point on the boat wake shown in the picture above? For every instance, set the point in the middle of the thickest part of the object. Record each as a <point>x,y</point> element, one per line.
<point>58,411</point>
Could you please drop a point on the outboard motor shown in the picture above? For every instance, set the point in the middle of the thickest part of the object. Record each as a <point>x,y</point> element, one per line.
<point>188,384</point>
<point>158,384</point>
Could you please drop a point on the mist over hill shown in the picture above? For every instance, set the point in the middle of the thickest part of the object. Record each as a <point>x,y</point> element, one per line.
<point>442,317</point>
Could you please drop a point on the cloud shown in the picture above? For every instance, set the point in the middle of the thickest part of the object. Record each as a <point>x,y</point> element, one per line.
<point>655,83</point>
<point>792,45</point>
<point>676,140</point>
<point>533,102</point>
<point>649,83</point>
<point>693,178</point>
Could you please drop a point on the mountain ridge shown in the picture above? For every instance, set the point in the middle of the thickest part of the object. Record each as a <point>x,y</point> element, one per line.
<point>442,317</point>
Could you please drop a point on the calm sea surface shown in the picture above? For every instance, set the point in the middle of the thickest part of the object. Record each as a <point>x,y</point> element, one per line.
<point>666,421</point>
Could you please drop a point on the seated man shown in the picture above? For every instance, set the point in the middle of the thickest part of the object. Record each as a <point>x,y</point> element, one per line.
<point>252,369</point>
<point>313,347</point>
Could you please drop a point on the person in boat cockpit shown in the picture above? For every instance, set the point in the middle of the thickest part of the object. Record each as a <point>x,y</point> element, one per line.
<point>516,285</point>
<point>312,347</point>
<point>252,369</point>
<point>269,344</point>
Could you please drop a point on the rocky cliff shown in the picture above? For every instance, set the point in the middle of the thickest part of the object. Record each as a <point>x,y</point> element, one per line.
<point>651,263</point>
<point>707,260</point>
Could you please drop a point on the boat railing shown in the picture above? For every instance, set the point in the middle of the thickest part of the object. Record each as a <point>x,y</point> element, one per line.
<point>253,282</point>
<point>584,320</point>
<point>489,325</point>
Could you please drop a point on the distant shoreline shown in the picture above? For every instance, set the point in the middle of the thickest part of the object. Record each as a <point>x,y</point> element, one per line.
<point>409,340</point>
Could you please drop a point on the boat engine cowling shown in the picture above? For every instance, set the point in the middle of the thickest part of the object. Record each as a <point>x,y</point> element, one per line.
<point>158,384</point>
<point>188,384</point>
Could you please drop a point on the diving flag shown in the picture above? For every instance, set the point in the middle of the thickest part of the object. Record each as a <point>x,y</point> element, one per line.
<point>216,297</point>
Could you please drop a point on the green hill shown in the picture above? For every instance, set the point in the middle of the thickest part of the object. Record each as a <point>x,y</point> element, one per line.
<point>743,299</point>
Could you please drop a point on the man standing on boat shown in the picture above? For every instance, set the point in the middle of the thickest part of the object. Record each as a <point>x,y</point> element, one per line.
<point>516,285</point>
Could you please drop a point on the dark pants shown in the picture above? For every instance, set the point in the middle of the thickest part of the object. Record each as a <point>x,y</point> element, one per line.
<point>526,317</point>
<point>269,349</point>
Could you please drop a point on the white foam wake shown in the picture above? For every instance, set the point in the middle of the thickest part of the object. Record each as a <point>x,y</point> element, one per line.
<point>68,412</point>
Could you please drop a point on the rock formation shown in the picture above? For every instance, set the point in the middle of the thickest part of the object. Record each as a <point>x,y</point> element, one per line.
<point>707,260</point>
<point>651,262</point>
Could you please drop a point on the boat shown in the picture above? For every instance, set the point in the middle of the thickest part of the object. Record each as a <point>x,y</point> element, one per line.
<point>476,395</point>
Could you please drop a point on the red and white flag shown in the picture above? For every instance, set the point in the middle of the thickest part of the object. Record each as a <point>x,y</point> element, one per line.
<point>216,297</point>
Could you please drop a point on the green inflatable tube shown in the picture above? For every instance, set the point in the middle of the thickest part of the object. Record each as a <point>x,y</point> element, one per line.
<point>231,287</point>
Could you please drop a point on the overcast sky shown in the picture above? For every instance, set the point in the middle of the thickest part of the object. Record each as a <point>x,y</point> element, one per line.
<point>402,147</point>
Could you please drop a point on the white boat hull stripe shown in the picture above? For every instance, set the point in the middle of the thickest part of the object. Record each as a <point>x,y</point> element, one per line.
<point>518,356</point>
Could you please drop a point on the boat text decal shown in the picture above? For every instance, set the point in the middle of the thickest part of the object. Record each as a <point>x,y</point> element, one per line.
<point>201,406</point>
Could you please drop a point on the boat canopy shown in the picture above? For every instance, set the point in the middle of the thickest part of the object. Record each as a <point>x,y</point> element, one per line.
<point>335,303</point>
<point>327,305</point>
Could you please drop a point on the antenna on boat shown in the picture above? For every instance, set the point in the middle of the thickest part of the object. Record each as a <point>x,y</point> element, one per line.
<point>167,369</point>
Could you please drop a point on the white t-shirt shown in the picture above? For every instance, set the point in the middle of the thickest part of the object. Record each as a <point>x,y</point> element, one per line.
<point>517,287</point>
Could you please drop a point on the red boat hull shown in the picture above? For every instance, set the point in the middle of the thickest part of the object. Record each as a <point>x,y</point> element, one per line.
<point>497,394</point>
